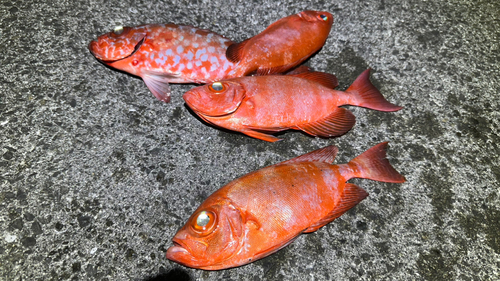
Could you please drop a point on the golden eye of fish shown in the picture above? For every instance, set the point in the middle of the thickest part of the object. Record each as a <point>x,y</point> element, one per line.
<point>118,30</point>
<point>205,222</point>
<point>217,87</point>
<point>323,17</point>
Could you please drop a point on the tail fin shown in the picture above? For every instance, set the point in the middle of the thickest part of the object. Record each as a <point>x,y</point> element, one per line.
<point>373,164</point>
<point>366,95</point>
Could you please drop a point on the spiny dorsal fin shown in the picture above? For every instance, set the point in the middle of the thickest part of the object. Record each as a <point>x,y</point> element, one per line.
<point>325,154</point>
<point>326,79</point>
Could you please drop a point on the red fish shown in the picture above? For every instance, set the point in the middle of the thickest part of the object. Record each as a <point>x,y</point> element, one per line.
<point>165,53</point>
<point>259,105</point>
<point>264,211</point>
<point>281,46</point>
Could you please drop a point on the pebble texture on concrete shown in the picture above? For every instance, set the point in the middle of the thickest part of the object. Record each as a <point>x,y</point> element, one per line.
<point>96,175</point>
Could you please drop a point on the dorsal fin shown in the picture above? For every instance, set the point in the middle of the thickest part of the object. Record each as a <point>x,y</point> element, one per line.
<point>326,79</point>
<point>325,154</point>
<point>234,52</point>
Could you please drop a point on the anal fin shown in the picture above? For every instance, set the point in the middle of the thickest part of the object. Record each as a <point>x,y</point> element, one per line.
<point>260,135</point>
<point>338,123</point>
<point>351,196</point>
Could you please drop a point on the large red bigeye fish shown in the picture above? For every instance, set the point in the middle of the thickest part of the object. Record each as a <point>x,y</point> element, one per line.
<point>281,46</point>
<point>165,53</point>
<point>264,211</point>
<point>261,105</point>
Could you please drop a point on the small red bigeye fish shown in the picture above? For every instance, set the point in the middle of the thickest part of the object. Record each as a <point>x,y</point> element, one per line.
<point>261,105</point>
<point>264,211</point>
<point>281,46</point>
<point>165,53</point>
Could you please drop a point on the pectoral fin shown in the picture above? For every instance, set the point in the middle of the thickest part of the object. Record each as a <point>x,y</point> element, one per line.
<point>351,196</point>
<point>158,85</point>
<point>234,52</point>
<point>338,123</point>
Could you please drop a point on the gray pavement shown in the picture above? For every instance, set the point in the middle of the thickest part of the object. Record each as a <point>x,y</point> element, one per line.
<point>96,175</point>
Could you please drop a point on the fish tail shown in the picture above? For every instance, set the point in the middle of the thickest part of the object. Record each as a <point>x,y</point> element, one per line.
<point>373,164</point>
<point>366,95</point>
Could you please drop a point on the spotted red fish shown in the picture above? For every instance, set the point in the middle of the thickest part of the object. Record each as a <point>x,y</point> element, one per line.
<point>264,211</point>
<point>165,53</point>
<point>261,105</point>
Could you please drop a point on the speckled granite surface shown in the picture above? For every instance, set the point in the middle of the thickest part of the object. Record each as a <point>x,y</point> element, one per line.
<point>96,175</point>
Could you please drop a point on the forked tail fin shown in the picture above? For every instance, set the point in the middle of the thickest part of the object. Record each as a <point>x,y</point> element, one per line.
<point>373,164</point>
<point>366,95</point>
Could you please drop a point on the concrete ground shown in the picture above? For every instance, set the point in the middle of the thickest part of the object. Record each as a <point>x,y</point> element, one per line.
<point>96,175</point>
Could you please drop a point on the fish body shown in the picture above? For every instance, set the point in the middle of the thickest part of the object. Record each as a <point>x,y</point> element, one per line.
<point>165,53</point>
<point>281,46</point>
<point>263,211</point>
<point>259,105</point>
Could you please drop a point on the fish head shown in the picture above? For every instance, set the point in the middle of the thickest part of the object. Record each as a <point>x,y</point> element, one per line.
<point>122,42</point>
<point>320,19</point>
<point>215,99</point>
<point>211,236</point>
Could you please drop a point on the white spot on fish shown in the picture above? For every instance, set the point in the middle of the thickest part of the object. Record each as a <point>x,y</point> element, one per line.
<point>213,67</point>
<point>168,52</point>
<point>181,67</point>
<point>211,49</point>
<point>198,63</point>
<point>196,45</point>
<point>200,52</point>
<point>204,57</point>
<point>189,55</point>
<point>226,65</point>
<point>214,60</point>
<point>177,59</point>
<point>160,61</point>
<point>180,49</point>
<point>189,65</point>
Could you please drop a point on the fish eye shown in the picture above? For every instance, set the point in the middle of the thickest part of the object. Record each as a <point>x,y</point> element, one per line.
<point>205,222</point>
<point>323,17</point>
<point>217,87</point>
<point>118,30</point>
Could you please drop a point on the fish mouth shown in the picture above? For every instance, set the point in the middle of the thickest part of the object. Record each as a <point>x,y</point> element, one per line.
<point>180,253</point>
<point>175,250</point>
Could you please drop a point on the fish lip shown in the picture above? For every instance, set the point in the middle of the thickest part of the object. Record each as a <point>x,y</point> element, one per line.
<point>179,243</point>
